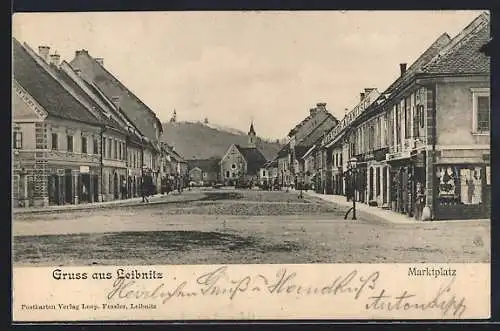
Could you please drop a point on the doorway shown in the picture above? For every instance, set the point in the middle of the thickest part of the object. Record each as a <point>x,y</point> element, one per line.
<point>68,186</point>
<point>116,186</point>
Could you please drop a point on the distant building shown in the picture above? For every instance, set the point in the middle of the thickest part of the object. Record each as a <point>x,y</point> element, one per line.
<point>301,138</point>
<point>240,161</point>
<point>204,172</point>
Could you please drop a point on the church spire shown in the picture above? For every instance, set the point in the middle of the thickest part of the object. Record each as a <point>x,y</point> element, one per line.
<point>252,139</point>
<point>252,131</point>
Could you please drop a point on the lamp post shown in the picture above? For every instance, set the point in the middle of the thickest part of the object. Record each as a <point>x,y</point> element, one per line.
<point>352,172</point>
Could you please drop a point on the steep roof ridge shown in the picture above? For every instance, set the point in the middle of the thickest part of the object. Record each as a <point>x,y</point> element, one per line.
<point>46,67</point>
<point>117,110</point>
<point>307,119</point>
<point>87,116</point>
<point>318,127</point>
<point>462,37</point>
<point>104,116</point>
<point>442,41</point>
<point>68,69</point>
<point>130,93</point>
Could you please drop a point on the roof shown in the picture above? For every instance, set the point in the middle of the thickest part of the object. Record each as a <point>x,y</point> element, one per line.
<point>319,131</point>
<point>313,113</point>
<point>110,122</point>
<point>131,105</point>
<point>284,151</point>
<point>255,159</point>
<point>207,165</point>
<point>423,59</point>
<point>47,90</point>
<point>100,95</point>
<point>463,54</point>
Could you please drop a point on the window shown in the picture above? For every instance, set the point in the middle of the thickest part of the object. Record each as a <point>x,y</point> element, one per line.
<point>18,140</point>
<point>227,174</point>
<point>263,173</point>
<point>96,146</point>
<point>481,110</point>
<point>397,125</point>
<point>115,154</point>
<point>233,166</point>
<point>54,141</point>
<point>407,118</point>
<point>104,147</point>
<point>69,143</point>
<point>109,148</point>
<point>459,184</point>
<point>84,145</point>
<point>422,114</point>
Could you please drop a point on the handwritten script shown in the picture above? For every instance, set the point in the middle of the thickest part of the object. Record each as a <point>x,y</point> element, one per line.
<point>364,288</point>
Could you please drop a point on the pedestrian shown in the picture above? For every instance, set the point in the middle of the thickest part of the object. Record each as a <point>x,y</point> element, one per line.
<point>124,189</point>
<point>144,189</point>
<point>84,193</point>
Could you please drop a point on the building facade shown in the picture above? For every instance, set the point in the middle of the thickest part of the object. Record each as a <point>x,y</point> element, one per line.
<point>422,146</point>
<point>74,139</point>
<point>241,162</point>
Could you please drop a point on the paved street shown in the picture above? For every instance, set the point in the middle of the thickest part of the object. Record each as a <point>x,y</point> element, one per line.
<point>238,226</point>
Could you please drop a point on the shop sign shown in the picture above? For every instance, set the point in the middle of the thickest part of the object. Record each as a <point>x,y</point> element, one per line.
<point>398,155</point>
<point>84,169</point>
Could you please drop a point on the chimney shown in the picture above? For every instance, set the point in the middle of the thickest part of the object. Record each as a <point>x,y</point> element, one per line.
<point>312,111</point>
<point>346,110</point>
<point>361,96</point>
<point>368,90</point>
<point>402,67</point>
<point>321,105</point>
<point>78,72</point>
<point>44,52</point>
<point>54,59</point>
<point>80,52</point>
<point>100,60</point>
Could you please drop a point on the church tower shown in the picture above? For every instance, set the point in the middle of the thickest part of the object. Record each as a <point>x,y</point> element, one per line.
<point>252,138</point>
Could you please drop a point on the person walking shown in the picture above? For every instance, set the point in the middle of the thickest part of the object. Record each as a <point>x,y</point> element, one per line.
<point>144,189</point>
<point>124,189</point>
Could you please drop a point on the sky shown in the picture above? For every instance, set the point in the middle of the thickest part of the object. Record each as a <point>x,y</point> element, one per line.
<point>235,67</point>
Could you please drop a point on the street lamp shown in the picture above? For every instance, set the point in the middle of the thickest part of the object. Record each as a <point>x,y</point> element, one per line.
<point>352,172</point>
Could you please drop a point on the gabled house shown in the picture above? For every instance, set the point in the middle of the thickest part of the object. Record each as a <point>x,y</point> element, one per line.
<point>148,124</point>
<point>243,161</point>
<point>301,138</point>
<point>56,138</point>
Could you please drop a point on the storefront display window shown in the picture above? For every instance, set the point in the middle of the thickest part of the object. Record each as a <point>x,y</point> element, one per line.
<point>459,185</point>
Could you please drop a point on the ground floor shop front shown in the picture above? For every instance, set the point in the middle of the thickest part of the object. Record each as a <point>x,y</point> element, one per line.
<point>73,184</point>
<point>419,186</point>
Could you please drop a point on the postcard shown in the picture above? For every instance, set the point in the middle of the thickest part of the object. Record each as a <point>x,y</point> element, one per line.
<point>251,165</point>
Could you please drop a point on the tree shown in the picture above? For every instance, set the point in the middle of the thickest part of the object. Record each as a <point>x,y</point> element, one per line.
<point>205,120</point>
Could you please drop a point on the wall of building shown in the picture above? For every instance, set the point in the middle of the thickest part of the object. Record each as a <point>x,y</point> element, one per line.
<point>454,113</point>
<point>233,164</point>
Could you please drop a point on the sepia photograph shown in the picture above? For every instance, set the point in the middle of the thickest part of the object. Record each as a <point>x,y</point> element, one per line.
<point>250,138</point>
